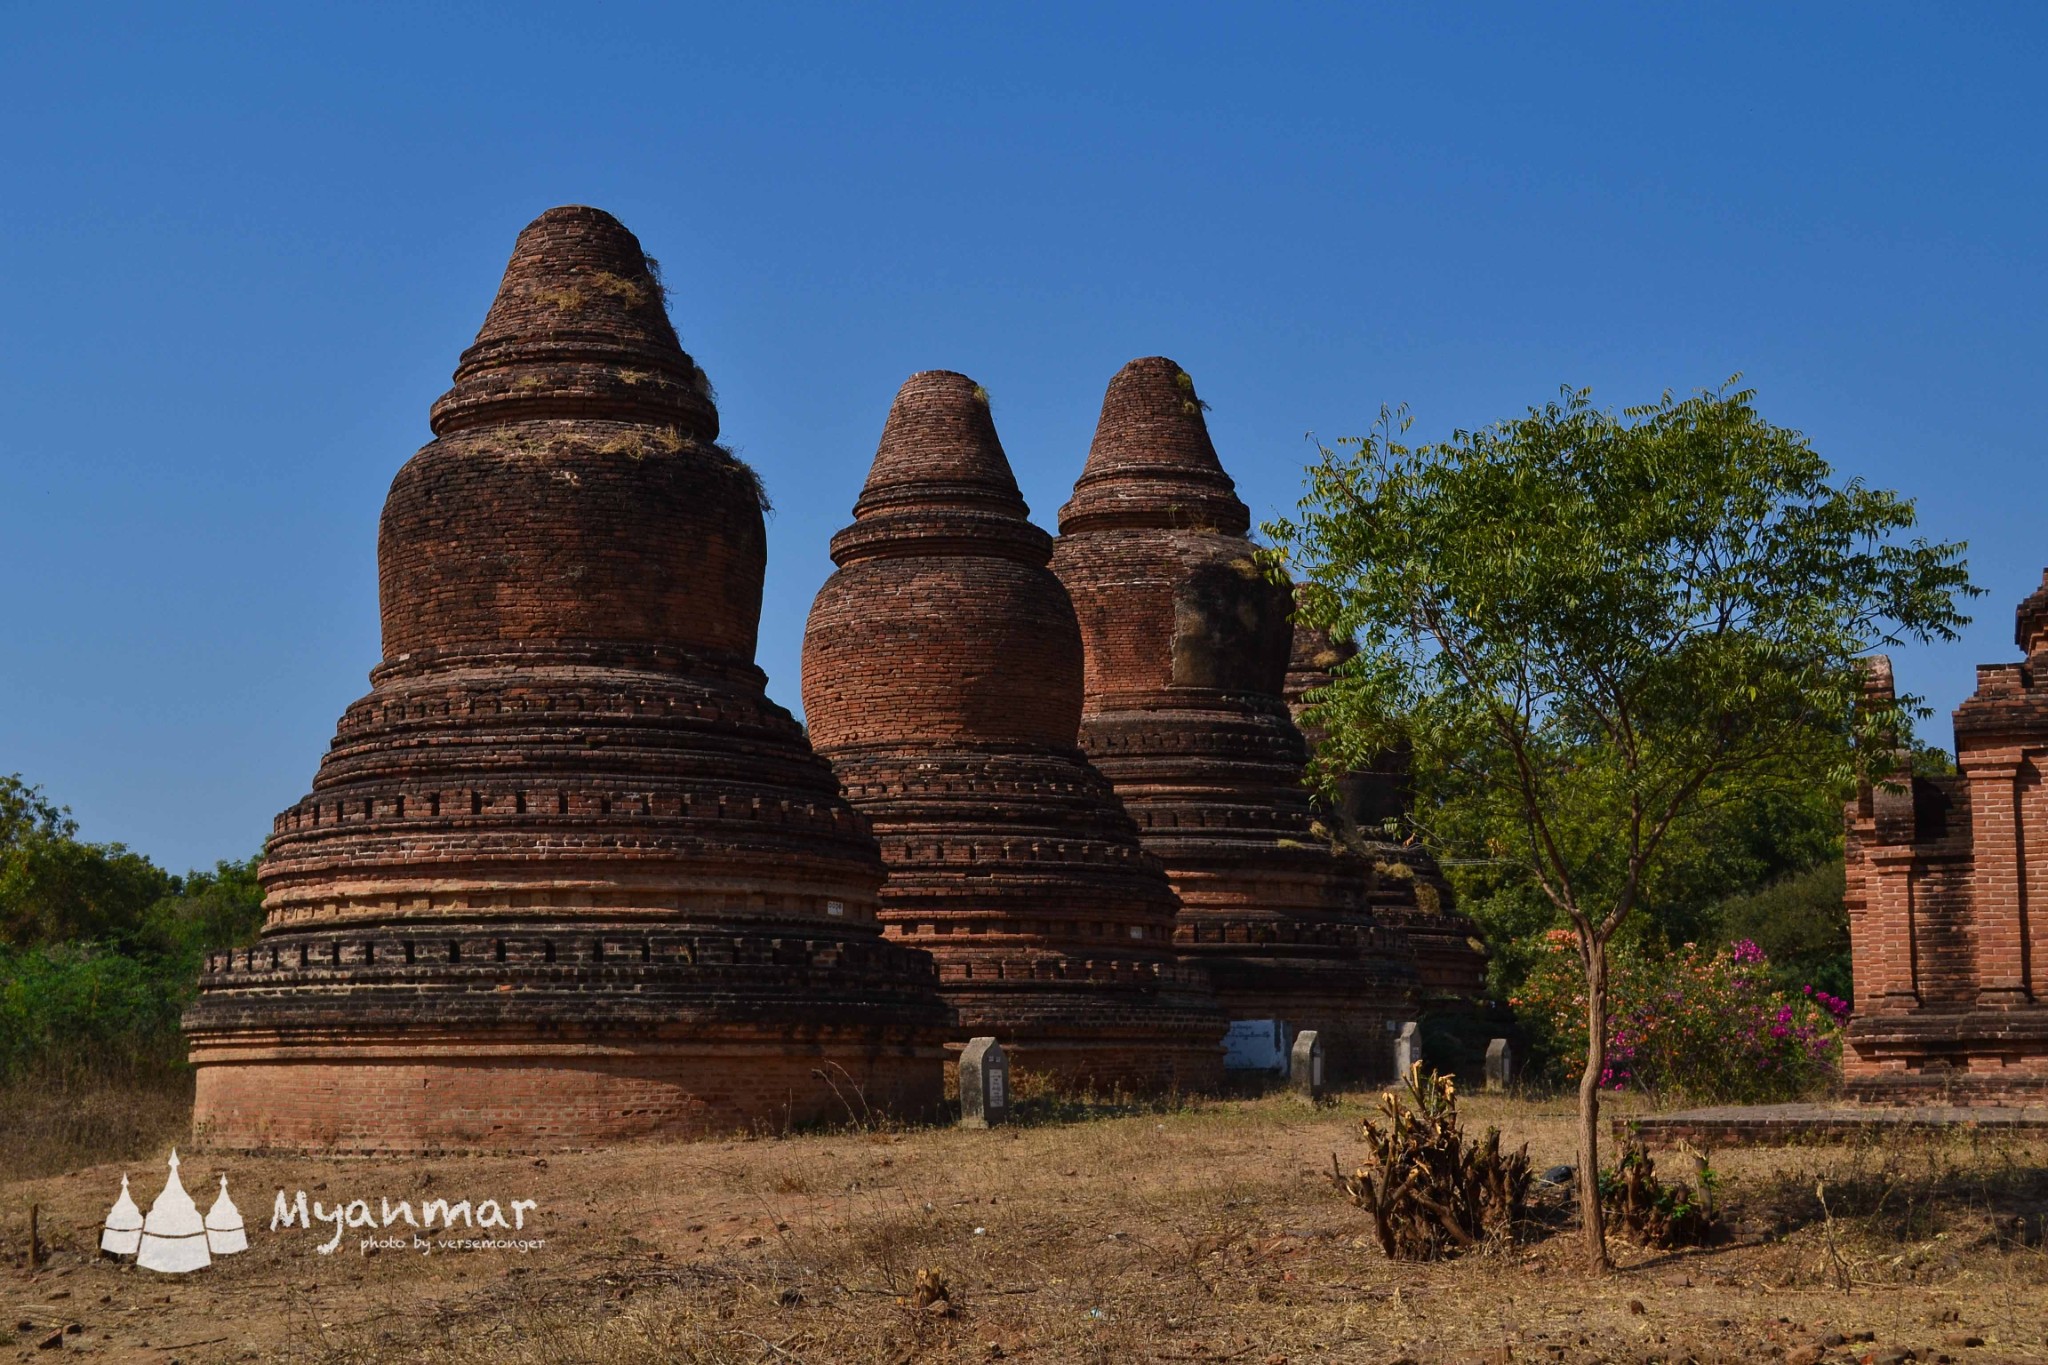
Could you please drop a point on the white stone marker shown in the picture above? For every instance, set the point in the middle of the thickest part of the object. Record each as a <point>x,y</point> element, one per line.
<point>1500,1065</point>
<point>1305,1064</point>
<point>1255,1045</point>
<point>1407,1050</point>
<point>984,1084</point>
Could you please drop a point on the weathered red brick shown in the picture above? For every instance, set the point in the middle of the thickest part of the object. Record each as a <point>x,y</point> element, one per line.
<point>942,678</point>
<point>1948,902</point>
<point>1186,643</point>
<point>566,874</point>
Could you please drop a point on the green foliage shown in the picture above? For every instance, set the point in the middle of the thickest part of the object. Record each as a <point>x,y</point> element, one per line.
<point>1800,922</point>
<point>73,1010</point>
<point>53,888</point>
<point>1597,631</point>
<point>1687,1024</point>
<point>99,948</point>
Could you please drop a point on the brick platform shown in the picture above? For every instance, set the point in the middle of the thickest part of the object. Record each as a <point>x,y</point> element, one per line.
<point>1186,649</point>
<point>566,874</point>
<point>942,678</point>
<point>1778,1125</point>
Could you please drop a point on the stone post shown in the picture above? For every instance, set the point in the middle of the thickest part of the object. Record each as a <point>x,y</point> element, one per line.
<point>1500,1066</point>
<point>1305,1064</point>
<point>984,1084</point>
<point>1407,1050</point>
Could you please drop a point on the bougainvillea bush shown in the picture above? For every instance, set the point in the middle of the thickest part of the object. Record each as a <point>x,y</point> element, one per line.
<point>1688,1023</point>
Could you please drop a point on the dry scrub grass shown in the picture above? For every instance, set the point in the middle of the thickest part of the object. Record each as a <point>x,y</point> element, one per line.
<point>63,1123</point>
<point>1200,1232</point>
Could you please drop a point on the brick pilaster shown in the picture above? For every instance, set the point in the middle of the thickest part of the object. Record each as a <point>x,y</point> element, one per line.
<point>1999,911</point>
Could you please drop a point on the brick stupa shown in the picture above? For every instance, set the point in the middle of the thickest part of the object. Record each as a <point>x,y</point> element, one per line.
<point>1407,890</point>
<point>942,678</point>
<point>566,874</point>
<point>1948,901</point>
<point>1187,644</point>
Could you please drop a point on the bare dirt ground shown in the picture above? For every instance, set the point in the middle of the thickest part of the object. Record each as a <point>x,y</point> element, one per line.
<point>1207,1232</point>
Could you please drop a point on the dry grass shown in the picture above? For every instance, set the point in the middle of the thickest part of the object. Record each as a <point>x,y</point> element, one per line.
<point>62,1123</point>
<point>1202,1231</point>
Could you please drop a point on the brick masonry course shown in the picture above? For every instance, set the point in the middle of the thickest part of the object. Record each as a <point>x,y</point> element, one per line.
<point>942,679</point>
<point>1948,902</point>
<point>566,874</point>
<point>1186,646</point>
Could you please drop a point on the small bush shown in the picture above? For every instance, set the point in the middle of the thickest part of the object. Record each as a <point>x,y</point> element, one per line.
<point>1687,1023</point>
<point>1431,1193</point>
<point>1653,1213</point>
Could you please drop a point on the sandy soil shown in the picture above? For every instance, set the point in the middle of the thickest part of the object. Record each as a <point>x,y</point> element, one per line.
<point>1204,1233</point>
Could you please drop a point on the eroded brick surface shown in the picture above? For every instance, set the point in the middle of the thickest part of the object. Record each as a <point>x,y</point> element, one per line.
<point>1948,902</point>
<point>566,873</point>
<point>942,679</point>
<point>1186,648</point>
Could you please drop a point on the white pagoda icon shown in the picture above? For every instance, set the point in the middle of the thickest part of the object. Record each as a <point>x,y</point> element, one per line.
<point>123,1229</point>
<point>174,1235</point>
<point>224,1233</point>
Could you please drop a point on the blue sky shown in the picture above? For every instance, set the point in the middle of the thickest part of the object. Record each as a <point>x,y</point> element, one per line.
<point>241,249</point>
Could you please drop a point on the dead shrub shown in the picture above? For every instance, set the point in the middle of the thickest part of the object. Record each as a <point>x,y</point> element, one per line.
<point>1431,1193</point>
<point>1654,1213</point>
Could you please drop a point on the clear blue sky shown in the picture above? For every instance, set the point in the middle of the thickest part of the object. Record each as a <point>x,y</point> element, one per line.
<point>240,251</point>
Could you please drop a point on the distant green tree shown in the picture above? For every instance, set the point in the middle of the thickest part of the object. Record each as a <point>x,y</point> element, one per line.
<point>203,911</point>
<point>55,888</point>
<point>100,948</point>
<point>1596,631</point>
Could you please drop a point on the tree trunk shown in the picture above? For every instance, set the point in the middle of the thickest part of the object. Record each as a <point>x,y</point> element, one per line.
<point>1590,1216</point>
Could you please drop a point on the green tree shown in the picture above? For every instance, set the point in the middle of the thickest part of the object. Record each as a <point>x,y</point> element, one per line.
<point>1594,629</point>
<point>54,888</point>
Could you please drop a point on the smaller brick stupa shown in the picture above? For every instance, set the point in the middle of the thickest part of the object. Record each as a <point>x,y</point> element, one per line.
<point>1406,887</point>
<point>942,679</point>
<point>1947,880</point>
<point>1187,643</point>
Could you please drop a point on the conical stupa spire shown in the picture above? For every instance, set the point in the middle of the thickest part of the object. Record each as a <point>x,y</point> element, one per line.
<point>940,482</point>
<point>123,1229</point>
<point>225,1234</point>
<point>1152,463</point>
<point>578,329</point>
<point>174,1235</point>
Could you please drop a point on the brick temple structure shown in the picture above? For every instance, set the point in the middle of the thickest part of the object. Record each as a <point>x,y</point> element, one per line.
<point>1187,645</point>
<point>1948,902</point>
<point>566,875</point>
<point>1407,890</point>
<point>942,678</point>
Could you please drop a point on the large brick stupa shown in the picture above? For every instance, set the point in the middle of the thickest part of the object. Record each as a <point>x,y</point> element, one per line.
<point>942,678</point>
<point>566,874</point>
<point>1187,647</point>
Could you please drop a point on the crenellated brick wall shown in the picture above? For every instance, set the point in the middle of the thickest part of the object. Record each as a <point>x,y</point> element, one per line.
<point>1948,901</point>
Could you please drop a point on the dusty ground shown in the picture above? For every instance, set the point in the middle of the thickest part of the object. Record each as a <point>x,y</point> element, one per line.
<point>1204,1233</point>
